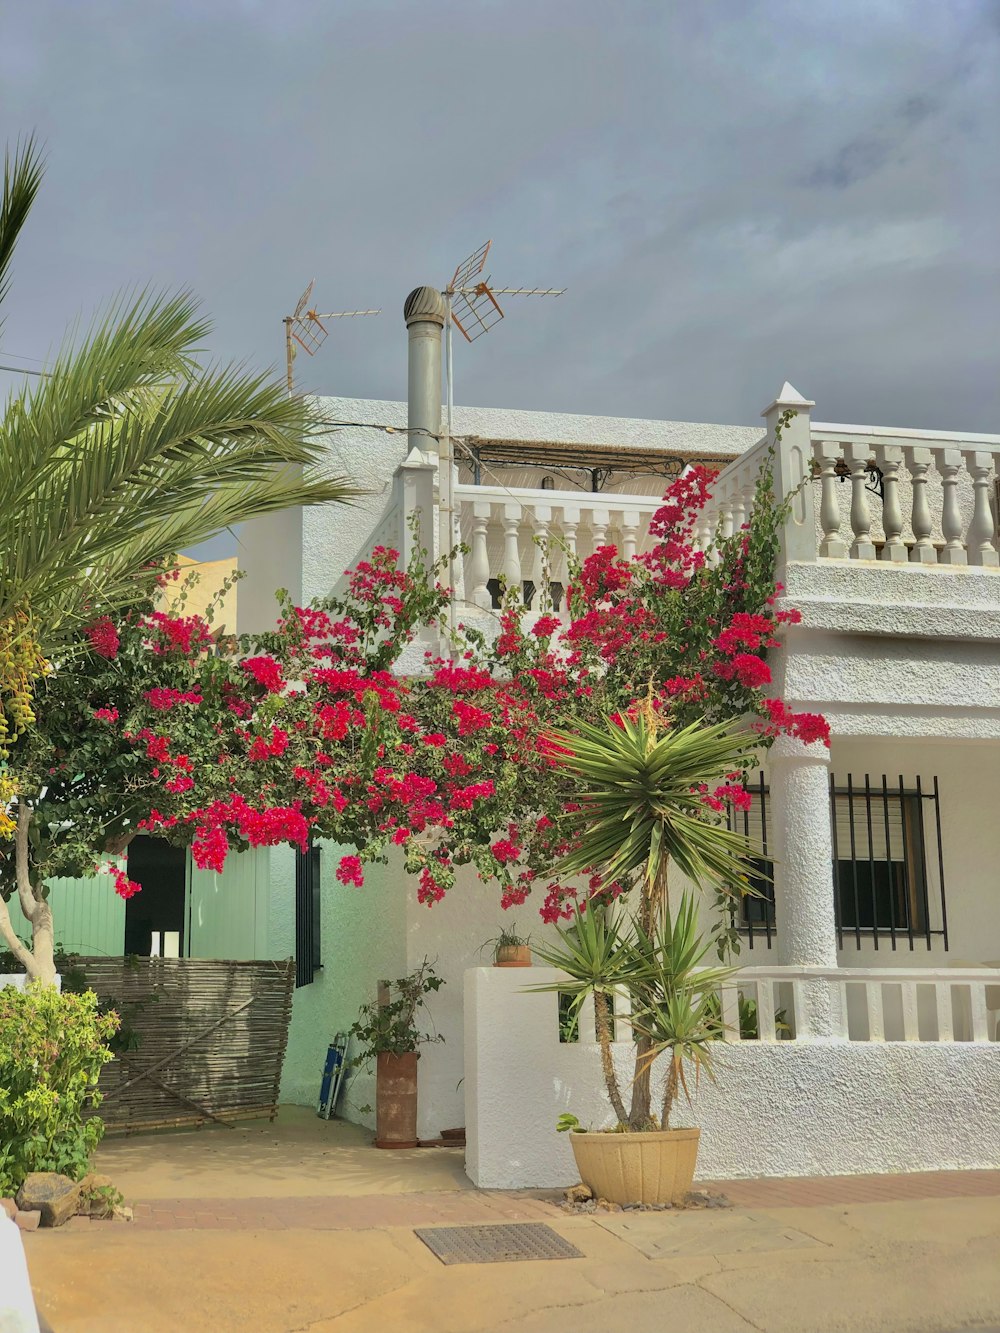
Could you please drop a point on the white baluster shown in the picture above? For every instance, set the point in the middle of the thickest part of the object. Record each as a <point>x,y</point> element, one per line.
<point>876,1016</point>
<point>630,534</point>
<point>942,1001</point>
<point>979,539</point>
<point>479,559</point>
<point>765,1010</point>
<point>731,1014</point>
<point>919,460</point>
<point>890,458</point>
<point>950,465</point>
<point>599,520</point>
<point>862,548</point>
<point>570,525</point>
<point>511,548</point>
<point>832,545</point>
<point>911,1024</point>
<point>977,1003</point>
<point>739,506</point>
<point>541,567</point>
<point>727,525</point>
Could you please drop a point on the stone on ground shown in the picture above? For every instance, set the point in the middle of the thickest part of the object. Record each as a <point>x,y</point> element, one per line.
<point>55,1196</point>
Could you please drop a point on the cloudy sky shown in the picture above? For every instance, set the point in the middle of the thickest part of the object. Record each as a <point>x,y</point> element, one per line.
<point>735,192</point>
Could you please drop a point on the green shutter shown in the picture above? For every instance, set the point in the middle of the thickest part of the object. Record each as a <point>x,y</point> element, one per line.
<point>223,909</point>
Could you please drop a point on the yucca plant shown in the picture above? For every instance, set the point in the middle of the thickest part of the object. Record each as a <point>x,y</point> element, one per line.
<point>639,787</point>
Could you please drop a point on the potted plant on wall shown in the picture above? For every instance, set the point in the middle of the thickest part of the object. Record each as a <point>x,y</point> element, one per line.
<point>390,1032</point>
<point>510,949</point>
<point>640,792</point>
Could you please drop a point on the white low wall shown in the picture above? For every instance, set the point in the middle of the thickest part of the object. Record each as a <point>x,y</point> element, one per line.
<point>782,1109</point>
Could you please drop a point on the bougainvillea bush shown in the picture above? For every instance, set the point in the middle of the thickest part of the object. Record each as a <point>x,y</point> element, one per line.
<point>309,732</point>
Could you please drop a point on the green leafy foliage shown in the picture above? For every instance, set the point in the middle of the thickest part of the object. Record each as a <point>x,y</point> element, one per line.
<point>52,1049</point>
<point>394,1028</point>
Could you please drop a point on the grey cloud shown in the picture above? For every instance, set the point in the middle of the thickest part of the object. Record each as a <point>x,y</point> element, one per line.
<point>734,194</point>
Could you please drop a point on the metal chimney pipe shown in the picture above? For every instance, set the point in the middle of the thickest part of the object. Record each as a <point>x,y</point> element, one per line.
<point>424,311</point>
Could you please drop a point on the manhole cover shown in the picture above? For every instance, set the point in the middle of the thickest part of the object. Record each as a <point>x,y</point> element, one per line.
<point>497,1245</point>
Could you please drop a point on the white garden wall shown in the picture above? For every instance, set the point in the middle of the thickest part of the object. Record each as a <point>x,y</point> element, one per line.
<point>775,1109</point>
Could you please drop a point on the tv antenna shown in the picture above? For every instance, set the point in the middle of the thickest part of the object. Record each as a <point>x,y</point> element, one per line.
<point>472,308</point>
<point>305,326</point>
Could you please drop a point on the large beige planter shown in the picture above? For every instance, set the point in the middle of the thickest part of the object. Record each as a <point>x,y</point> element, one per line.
<point>657,1167</point>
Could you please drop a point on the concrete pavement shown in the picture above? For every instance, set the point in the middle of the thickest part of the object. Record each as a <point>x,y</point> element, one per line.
<point>303,1228</point>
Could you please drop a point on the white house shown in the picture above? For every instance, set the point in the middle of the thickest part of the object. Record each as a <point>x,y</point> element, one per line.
<point>885,849</point>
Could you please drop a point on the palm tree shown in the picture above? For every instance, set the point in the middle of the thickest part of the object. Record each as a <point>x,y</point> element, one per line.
<point>639,790</point>
<point>126,451</point>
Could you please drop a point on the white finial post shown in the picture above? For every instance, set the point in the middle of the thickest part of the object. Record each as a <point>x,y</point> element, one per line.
<point>793,471</point>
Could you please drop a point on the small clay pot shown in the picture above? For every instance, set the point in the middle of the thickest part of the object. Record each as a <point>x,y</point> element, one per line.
<point>513,955</point>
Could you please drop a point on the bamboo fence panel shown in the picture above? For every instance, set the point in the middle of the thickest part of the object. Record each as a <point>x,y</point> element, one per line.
<point>212,1037</point>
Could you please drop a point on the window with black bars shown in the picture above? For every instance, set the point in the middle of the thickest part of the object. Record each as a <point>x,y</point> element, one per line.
<point>308,943</point>
<point>888,863</point>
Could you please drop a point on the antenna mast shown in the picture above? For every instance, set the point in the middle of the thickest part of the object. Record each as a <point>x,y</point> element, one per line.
<point>472,307</point>
<point>305,326</point>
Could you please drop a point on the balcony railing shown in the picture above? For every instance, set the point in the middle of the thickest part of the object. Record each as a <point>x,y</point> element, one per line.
<point>770,1004</point>
<point>870,1004</point>
<point>533,536</point>
<point>867,493</point>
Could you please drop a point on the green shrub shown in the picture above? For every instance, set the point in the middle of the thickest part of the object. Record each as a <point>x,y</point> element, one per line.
<point>52,1047</point>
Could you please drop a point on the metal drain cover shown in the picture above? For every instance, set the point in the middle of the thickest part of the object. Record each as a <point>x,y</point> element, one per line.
<point>497,1245</point>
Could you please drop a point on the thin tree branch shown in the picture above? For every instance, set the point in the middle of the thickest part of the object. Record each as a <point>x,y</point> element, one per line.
<point>25,893</point>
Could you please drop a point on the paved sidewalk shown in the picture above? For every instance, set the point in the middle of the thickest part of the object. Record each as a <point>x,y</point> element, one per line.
<point>920,1266</point>
<point>299,1227</point>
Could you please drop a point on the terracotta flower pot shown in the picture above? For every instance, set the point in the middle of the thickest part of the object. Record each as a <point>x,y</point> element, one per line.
<point>396,1100</point>
<point>513,955</point>
<point>657,1167</point>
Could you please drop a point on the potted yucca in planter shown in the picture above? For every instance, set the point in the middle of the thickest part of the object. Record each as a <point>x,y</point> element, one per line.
<point>641,809</point>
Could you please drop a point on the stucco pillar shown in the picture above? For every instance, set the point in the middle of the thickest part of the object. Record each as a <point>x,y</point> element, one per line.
<point>793,471</point>
<point>803,874</point>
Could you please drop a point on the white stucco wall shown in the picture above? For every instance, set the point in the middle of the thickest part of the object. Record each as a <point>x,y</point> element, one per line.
<point>784,1109</point>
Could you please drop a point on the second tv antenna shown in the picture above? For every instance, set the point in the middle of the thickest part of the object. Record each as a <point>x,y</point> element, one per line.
<point>305,326</point>
<point>472,308</point>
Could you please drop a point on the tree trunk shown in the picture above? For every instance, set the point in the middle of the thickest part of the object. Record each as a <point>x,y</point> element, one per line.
<point>43,944</point>
<point>653,904</point>
<point>669,1092</point>
<point>603,1026</point>
<point>39,961</point>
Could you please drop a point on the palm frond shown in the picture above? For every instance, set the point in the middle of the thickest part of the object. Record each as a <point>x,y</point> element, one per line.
<point>22,175</point>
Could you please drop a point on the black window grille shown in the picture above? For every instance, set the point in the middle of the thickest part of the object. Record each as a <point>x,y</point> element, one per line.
<point>308,942</point>
<point>888,863</point>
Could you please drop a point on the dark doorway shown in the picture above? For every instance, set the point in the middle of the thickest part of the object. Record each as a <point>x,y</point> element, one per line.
<point>154,918</point>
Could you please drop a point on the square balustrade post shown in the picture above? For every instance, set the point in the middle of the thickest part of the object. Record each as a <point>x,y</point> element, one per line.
<point>805,918</point>
<point>793,473</point>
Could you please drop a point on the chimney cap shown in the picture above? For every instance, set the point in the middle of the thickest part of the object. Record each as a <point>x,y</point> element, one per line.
<point>424,304</point>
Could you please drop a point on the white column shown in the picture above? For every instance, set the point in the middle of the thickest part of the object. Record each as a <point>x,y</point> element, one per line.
<point>479,562</point>
<point>832,545</point>
<point>803,875</point>
<point>950,463</point>
<point>793,473</point>
<point>512,549</point>
<point>890,459</point>
<point>918,460</point>
<point>979,538</point>
<point>862,548</point>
